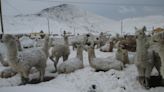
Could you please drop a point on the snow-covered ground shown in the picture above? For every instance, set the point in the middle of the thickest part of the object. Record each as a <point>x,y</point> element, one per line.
<point>81,80</point>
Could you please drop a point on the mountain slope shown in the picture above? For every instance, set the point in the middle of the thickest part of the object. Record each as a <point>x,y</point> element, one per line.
<point>73,19</point>
<point>72,16</point>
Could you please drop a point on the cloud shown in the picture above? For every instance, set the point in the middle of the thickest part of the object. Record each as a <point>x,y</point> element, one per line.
<point>124,9</point>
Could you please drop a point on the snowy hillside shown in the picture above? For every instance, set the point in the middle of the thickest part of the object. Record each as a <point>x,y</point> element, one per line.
<point>75,20</point>
<point>62,17</point>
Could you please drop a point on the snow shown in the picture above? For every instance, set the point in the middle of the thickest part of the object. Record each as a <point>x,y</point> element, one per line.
<point>33,89</point>
<point>81,80</point>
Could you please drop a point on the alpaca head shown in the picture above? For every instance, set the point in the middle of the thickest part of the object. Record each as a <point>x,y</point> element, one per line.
<point>7,38</point>
<point>11,45</point>
<point>46,37</point>
<point>79,45</point>
<point>90,48</point>
<point>158,37</point>
<point>140,33</point>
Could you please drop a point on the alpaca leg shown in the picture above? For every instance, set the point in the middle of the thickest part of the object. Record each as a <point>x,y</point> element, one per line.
<point>147,76</point>
<point>42,73</point>
<point>55,64</point>
<point>162,71</point>
<point>157,61</point>
<point>157,66</point>
<point>51,58</point>
<point>73,47</point>
<point>141,77</point>
<point>24,78</point>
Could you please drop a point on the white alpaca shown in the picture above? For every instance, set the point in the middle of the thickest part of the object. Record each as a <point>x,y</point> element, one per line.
<point>122,55</point>
<point>27,59</point>
<point>73,64</point>
<point>158,46</point>
<point>102,64</point>
<point>108,47</point>
<point>60,50</point>
<point>144,57</point>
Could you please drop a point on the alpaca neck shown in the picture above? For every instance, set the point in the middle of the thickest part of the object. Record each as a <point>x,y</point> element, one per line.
<point>142,49</point>
<point>125,57</point>
<point>66,40</point>
<point>12,53</point>
<point>19,45</point>
<point>141,44</point>
<point>80,53</point>
<point>91,55</point>
<point>45,47</point>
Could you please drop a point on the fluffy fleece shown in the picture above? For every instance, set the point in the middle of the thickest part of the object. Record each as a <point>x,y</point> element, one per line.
<point>102,64</point>
<point>158,46</point>
<point>27,59</point>
<point>108,47</point>
<point>144,57</point>
<point>73,64</point>
<point>122,55</point>
<point>60,50</point>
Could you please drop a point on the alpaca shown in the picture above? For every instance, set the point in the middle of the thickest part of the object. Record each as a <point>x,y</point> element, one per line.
<point>27,59</point>
<point>9,72</point>
<point>103,39</point>
<point>105,48</point>
<point>158,46</point>
<point>97,42</point>
<point>108,47</point>
<point>144,57</point>
<point>3,60</point>
<point>60,50</point>
<point>128,42</point>
<point>73,43</point>
<point>73,64</point>
<point>111,46</point>
<point>122,55</point>
<point>102,64</point>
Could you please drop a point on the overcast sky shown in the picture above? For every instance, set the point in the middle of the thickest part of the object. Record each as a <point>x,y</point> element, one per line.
<point>114,9</point>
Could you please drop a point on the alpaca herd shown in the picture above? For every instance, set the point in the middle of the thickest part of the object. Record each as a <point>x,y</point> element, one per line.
<point>149,54</point>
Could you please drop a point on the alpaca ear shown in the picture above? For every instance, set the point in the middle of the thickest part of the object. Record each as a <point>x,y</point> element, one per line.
<point>144,28</point>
